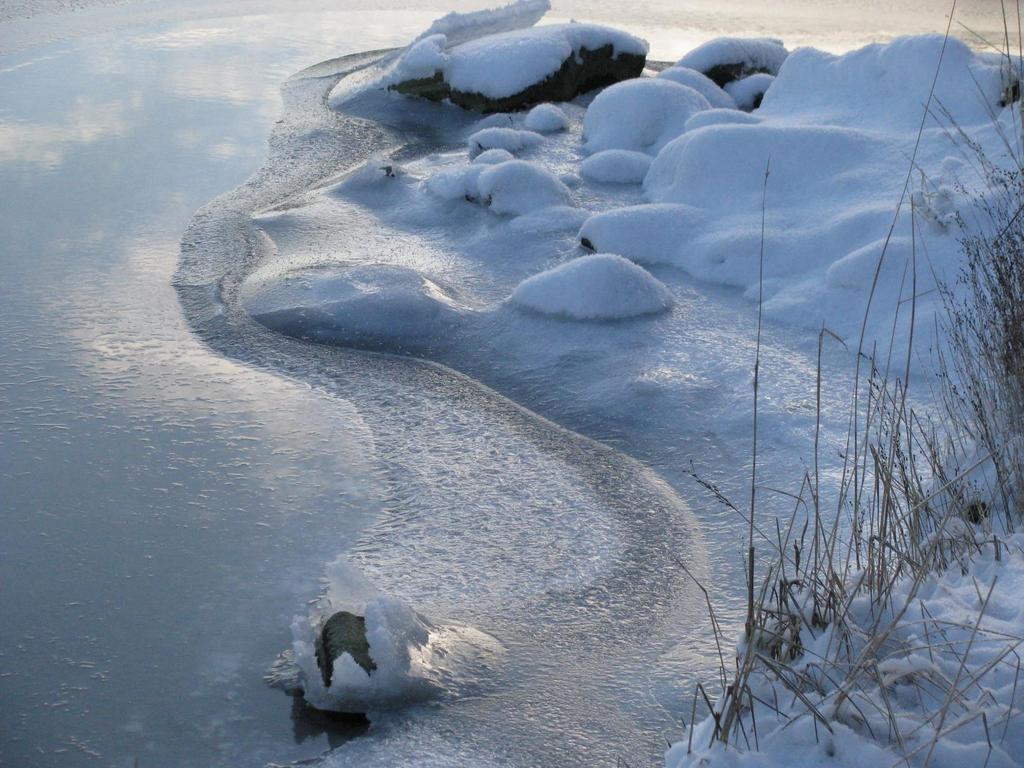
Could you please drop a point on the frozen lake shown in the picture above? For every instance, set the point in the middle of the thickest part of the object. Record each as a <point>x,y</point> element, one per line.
<point>172,493</point>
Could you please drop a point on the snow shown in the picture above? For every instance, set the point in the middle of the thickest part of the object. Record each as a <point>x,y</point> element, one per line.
<point>493,157</point>
<point>546,118</point>
<point>642,115</point>
<point>646,234</point>
<point>945,606</point>
<point>755,53</point>
<point>422,59</point>
<point>601,286</point>
<point>747,91</point>
<point>720,117</point>
<point>701,83</point>
<point>557,218</point>
<point>457,183</point>
<point>516,187</point>
<point>510,139</point>
<point>462,27</point>
<point>506,64</point>
<point>620,166</point>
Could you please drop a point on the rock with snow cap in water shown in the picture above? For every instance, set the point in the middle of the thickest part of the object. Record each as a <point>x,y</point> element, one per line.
<point>343,633</point>
<point>515,70</point>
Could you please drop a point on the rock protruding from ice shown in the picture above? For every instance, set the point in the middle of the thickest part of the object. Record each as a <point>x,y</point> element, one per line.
<point>513,70</point>
<point>602,286</point>
<point>701,83</point>
<point>725,59</point>
<point>646,234</point>
<point>517,187</point>
<point>616,166</point>
<point>748,92</point>
<point>509,139</point>
<point>546,118</point>
<point>342,633</point>
<point>641,115</point>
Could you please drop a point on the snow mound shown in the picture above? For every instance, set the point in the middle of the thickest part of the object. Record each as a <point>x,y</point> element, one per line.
<point>493,157</point>
<point>641,115</point>
<point>885,86</point>
<point>459,28</point>
<point>704,85</point>
<point>374,306</point>
<point>597,287</point>
<point>557,218</point>
<point>546,118</point>
<point>621,166</point>
<point>503,65</point>
<point>749,91</point>
<point>509,139</point>
<point>729,58</point>
<point>516,187</point>
<point>646,234</point>
<point>720,117</point>
<point>421,59</point>
<point>457,183</point>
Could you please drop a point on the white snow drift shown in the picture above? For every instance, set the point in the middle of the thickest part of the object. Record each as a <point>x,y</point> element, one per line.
<point>620,166</point>
<point>701,83</point>
<point>642,115</point>
<point>597,287</point>
<point>516,187</point>
<point>546,118</point>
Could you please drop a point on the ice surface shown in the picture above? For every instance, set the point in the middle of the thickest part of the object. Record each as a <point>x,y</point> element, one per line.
<point>620,166</point>
<point>748,91</point>
<point>755,53</point>
<point>601,286</point>
<point>546,118</point>
<point>705,86</point>
<point>642,115</point>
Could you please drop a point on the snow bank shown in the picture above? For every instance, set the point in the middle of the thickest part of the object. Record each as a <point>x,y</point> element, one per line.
<point>834,185</point>
<point>509,139</point>
<point>597,287</point>
<point>935,640</point>
<point>546,118</point>
<point>641,115</point>
<point>503,65</point>
<point>621,166</point>
<point>646,234</point>
<point>516,187</point>
<point>729,58</point>
<point>701,83</point>
<point>749,91</point>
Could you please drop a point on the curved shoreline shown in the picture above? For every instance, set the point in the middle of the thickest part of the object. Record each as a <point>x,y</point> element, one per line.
<point>641,590</point>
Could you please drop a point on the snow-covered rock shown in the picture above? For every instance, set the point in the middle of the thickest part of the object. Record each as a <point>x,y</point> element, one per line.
<point>720,117</point>
<point>749,91</point>
<point>701,83</point>
<point>512,70</point>
<point>457,183</point>
<point>509,139</point>
<point>557,218</point>
<point>546,118</point>
<point>597,287</point>
<point>641,115</point>
<point>725,59</point>
<point>619,166</point>
<point>646,234</point>
<point>516,187</point>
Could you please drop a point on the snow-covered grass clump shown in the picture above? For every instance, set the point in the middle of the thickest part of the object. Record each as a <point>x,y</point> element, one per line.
<point>749,91</point>
<point>619,166</point>
<point>704,85</point>
<point>510,139</point>
<point>641,115</point>
<point>517,187</point>
<point>484,66</point>
<point>728,58</point>
<point>601,286</point>
<point>546,118</point>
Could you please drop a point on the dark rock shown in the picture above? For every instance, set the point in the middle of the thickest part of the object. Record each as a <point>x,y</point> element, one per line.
<point>344,632</point>
<point>585,242</point>
<point>583,71</point>
<point>727,73</point>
